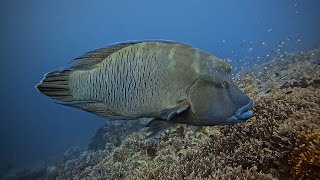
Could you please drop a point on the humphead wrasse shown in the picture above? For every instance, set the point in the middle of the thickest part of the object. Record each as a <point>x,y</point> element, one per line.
<point>167,81</point>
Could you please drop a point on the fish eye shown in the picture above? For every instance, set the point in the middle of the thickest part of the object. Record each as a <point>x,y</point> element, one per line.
<point>225,84</point>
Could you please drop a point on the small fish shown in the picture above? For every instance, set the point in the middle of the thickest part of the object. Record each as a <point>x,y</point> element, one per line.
<point>166,81</point>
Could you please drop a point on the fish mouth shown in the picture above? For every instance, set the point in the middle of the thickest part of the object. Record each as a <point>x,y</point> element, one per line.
<point>242,114</point>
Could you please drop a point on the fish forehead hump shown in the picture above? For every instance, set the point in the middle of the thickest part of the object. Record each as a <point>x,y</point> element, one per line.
<point>139,80</point>
<point>213,69</point>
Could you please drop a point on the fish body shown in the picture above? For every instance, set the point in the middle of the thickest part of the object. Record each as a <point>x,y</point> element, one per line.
<point>168,81</point>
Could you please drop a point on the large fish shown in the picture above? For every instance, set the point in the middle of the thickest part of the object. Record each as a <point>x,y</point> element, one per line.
<point>169,82</point>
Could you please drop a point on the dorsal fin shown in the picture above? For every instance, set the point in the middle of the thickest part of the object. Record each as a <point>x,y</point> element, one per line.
<point>90,59</point>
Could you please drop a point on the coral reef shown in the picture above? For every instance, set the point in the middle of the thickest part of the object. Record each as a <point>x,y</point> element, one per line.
<point>300,69</point>
<point>262,144</point>
<point>260,148</point>
<point>107,138</point>
<point>81,166</point>
<point>281,141</point>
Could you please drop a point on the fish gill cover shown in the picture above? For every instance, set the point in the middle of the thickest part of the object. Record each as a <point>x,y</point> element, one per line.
<point>272,46</point>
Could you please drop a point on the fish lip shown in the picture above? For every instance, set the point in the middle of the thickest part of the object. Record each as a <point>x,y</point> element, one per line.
<point>243,113</point>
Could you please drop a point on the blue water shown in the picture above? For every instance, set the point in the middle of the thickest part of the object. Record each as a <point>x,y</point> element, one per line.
<point>38,36</point>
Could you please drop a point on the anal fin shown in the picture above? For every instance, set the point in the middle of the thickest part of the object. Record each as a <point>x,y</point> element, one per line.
<point>96,108</point>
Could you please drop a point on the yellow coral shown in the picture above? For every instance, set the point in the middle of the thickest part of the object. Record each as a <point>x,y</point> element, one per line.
<point>305,159</point>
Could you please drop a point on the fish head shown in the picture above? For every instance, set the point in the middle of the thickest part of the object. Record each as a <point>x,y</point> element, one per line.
<point>216,99</point>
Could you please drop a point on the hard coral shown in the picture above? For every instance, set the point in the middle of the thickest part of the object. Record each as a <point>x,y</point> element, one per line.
<point>268,138</point>
<point>305,159</point>
<point>262,144</point>
<point>107,138</point>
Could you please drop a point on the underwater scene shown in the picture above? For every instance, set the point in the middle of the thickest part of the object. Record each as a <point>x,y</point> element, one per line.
<point>181,89</point>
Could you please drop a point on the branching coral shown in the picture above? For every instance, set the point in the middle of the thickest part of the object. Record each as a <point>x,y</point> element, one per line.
<point>305,159</point>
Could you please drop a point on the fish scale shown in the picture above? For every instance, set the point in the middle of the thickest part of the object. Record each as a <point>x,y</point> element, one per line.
<point>140,96</point>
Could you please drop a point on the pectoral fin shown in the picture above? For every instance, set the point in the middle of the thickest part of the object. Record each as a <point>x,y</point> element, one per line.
<point>169,113</point>
<point>157,126</point>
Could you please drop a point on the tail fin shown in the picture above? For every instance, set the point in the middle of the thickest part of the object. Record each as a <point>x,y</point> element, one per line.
<point>56,85</point>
